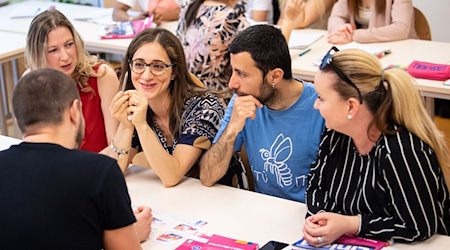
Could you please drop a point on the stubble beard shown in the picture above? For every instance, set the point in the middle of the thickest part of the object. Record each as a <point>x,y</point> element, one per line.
<point>268,94</point>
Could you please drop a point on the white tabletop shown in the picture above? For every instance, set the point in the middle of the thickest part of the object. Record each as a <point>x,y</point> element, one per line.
<point>230,212</point>
<point>87,20</point>
<point>71,11</point>
<point>403,53</point>
<point>12,45</point>
<point>233,212</point>
<point>6,142</point>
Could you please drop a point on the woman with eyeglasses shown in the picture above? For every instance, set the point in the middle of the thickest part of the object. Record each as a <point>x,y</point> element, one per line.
<point>53,42</point>
<point>383,168</point>
<point>368,21</point>
<point>162,112</point>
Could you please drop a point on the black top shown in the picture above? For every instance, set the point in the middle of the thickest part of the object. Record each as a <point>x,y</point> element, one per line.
<point>56,198</point>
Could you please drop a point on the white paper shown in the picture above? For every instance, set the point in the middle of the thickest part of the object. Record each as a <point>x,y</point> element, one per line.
<point>375,50</point>
<point>301,39</point>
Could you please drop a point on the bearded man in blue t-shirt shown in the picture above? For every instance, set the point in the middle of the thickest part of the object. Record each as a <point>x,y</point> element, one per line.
<point>282,134</point>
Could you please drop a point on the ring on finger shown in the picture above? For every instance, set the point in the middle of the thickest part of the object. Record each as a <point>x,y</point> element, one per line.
<point>319,240</point>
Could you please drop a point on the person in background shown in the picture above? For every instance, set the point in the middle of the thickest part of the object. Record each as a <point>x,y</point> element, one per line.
<point>309,14</point>
<point>162,112</point>
<point>206,29</point>
<point>259,11</point>
<point>59,196</point>
<point>367,21</point>
<point>271,114</point>
<point>53,42</point>
<point>383,168</point>
<point>162,10</point>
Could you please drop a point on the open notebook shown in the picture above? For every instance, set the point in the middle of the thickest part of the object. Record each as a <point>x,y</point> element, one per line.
<point>303,38</point>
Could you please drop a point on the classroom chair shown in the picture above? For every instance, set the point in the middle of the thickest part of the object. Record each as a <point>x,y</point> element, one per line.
<point>421,25</point>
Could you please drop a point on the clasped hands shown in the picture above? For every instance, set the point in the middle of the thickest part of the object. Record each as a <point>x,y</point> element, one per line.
<point>129,107</point>
<point>341,35</point>
<point>325,227</point>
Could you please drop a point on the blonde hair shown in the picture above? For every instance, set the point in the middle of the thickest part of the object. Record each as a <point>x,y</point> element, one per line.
<point>36,47</point>
<point>393,100</point>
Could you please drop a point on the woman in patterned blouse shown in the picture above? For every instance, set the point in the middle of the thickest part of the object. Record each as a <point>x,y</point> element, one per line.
<point>382,170</point>
<point>162,112</point>
<point>206,29</point>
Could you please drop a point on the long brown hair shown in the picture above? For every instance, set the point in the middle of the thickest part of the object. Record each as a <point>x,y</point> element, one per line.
<point>181,88</point>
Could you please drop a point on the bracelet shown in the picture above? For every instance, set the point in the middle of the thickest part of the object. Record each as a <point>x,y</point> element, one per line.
<point>120,152</point>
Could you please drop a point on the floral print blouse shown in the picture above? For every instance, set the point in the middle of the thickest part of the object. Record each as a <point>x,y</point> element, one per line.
<point>207,39</point>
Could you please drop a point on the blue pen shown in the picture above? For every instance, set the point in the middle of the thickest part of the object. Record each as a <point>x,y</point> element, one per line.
<point>304,52</point>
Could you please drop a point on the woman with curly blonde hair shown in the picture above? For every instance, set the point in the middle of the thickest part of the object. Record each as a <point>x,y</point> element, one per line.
<point>53,42</point>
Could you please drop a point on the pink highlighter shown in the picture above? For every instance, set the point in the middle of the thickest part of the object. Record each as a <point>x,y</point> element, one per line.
<point>358,241</point>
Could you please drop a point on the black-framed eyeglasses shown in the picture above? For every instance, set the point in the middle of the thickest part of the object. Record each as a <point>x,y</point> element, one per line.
<point>156,68</point>
<point>328,60</point>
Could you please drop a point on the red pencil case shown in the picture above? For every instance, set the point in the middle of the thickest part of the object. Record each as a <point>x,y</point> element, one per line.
<point>431,71</point>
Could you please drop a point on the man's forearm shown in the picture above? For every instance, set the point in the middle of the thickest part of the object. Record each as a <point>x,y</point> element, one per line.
<point>215,162</point>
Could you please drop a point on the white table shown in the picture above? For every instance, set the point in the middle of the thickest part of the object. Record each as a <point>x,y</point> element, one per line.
<point>87,20</point>
<point>6,142</point>
<point>403,53</point>
<point>233,212</point>
<point>229,211</point>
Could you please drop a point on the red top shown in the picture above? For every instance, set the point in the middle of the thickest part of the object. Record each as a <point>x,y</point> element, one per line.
<point>94,134</point>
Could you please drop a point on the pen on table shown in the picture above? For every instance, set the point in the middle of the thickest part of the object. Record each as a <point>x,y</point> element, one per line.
<point>304,52</point>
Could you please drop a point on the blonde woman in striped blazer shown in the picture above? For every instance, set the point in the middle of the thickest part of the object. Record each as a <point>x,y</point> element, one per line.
<point>382,170</point>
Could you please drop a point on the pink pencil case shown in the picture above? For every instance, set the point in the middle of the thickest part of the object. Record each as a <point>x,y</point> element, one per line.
<point>358,241</point>
<point>431,71</point>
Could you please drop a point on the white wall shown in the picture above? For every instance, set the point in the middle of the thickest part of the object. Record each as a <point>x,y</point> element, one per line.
<point>438,16</point>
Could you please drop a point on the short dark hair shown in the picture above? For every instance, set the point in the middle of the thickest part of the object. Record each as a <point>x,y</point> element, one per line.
<point>267,47</point>
<point>42,96</point>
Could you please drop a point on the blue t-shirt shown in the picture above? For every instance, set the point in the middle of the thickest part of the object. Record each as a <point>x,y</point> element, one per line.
<point>281,145</point>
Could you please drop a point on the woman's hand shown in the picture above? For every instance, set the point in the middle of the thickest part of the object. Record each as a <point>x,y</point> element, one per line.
<point>119,108</point>
<point>137,109</point>
<point>294,8</point>
<point>324,228</point>
<point>341,35</point>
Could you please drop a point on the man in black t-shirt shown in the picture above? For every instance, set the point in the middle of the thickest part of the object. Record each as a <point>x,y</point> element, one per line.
<point>54,196</point>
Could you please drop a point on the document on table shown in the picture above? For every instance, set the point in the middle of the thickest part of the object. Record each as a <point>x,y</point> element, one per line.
<point>303,38</point>
<point>376,50</point>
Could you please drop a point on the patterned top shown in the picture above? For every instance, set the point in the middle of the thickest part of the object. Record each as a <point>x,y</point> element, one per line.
<point>200,122</point>
<point>398,188</point>
<point>207,39</point>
